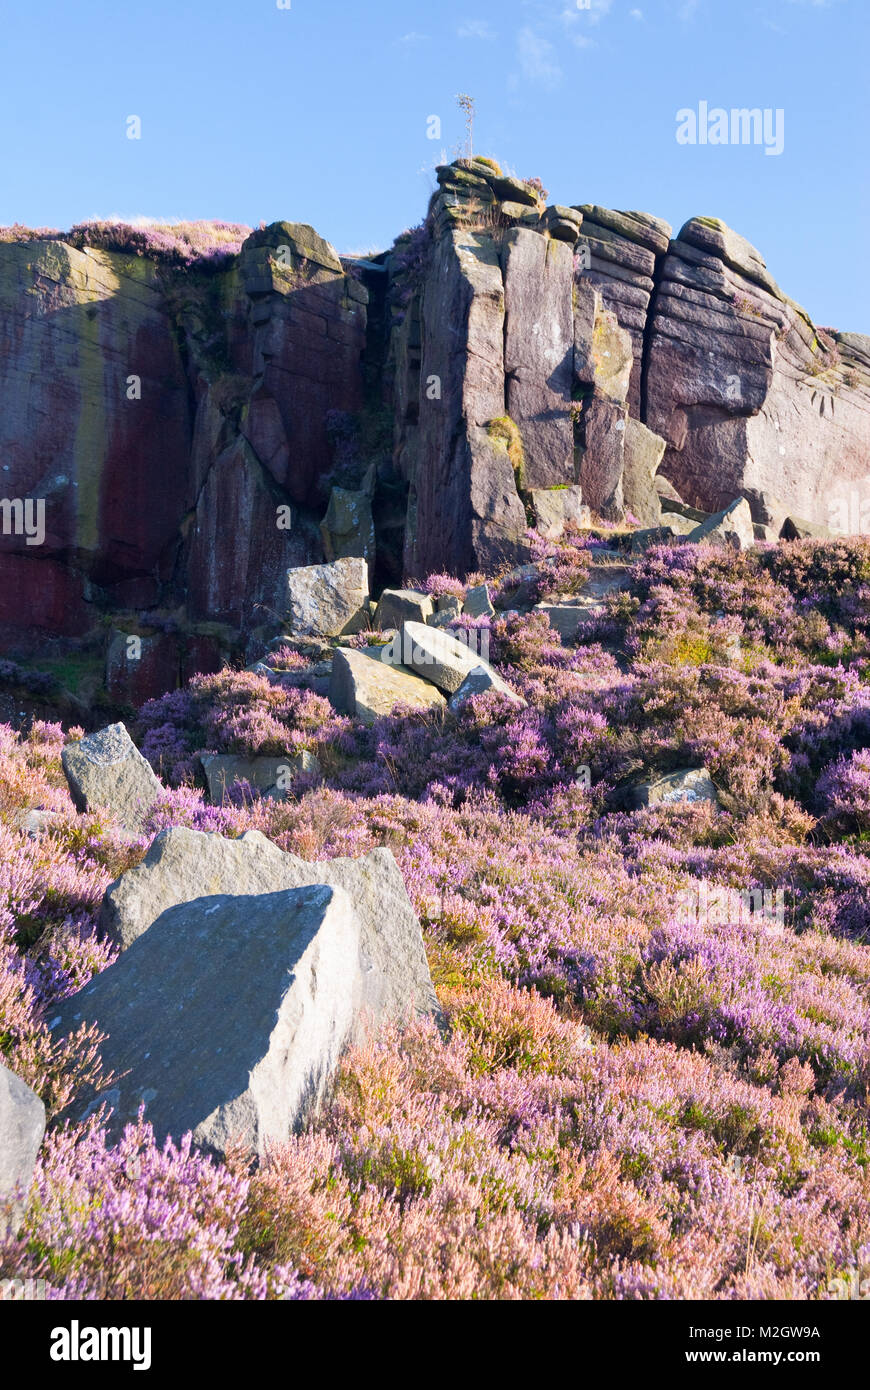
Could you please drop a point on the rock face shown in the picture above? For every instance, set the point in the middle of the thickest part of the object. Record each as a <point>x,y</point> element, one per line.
<point>749,395</point>
<point>228,1016</point>
<point>106,772</point>
<point>22,1125</point>
<point>147,403</point>
<point>178,436</point>
<point>183,864</point>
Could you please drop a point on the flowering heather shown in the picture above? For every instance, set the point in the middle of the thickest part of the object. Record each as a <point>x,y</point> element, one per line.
<point>183,244</point>
<point>627,1100</point>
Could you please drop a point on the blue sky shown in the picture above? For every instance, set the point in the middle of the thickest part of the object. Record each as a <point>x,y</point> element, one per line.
<point>318,113</point>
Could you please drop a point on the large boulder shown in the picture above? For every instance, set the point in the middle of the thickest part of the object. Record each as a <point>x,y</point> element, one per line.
<point>106,772</point>
<point>795,528</point>
<point>227,1018</point>
<point>328,600</point>
<point>643,452</point>
<point>369,688</point>
<point>185,864</point>
<point>22,1125</point>
<point>478,603</point>
<point>348,529</point>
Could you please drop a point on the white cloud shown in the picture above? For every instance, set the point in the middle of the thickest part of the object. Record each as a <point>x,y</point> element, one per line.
<point>476,29</point>
<point>538,59</point>
<point>635,14</point>
<point>412,40</point>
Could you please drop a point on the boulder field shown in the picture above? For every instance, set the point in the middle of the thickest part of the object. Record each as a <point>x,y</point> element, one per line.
<point>176,436</point>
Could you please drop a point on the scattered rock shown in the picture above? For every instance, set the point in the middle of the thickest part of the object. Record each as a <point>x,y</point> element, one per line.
<point>564,618</point>
<point>271,776</point>
<point>37,823</point>
<point>328,600</point>
<point>689,785</point>
<point>397,606</point>
<point>554,506</point>
<point>795,528</point>
<point>370,687</point>
<point>480,680</point>
<point>651,535</point>
<point>733,527</point>
<point>477,602</point>
<point>183,864</point>
<point>22,1125</point>
<point>106,772</point>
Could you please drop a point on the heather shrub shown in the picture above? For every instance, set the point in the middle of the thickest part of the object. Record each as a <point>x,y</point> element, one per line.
<point>625,1097</point>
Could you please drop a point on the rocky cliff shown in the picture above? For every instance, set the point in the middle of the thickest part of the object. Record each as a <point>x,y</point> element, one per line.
<point>188,428</point>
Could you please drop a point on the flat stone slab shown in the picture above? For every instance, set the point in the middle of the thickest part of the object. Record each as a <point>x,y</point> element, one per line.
<point>106,772</point>
<point>438,656</point>
<point>369,687</point>
<point>565,618</point>
<point>185,864</point>
<point>227,1018</point>
<point>22,1125</point>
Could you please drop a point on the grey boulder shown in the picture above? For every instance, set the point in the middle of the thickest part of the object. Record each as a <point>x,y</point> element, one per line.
<point>272,777</point>
<point>732,527</point>
<point>328,600</point>
<point>22,1125</point>
<point>106,772</point>
<point>478,603</point>
<point>686,787</point>
<point>438,656</point>
<point>397,606</point>
<point>369,687</point>
<point>227,1018</point>
<point>480,681</point>
<point>183,864</point>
